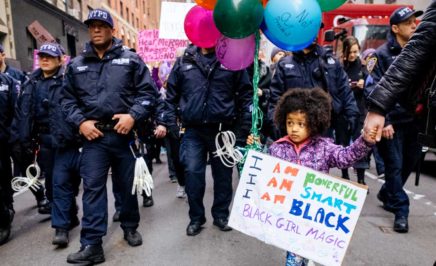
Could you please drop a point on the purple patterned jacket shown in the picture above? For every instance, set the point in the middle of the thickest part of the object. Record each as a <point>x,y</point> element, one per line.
<point>320,153</point>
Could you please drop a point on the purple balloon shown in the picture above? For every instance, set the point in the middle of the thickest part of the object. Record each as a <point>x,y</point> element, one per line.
<point>200,27</point>
<point>236,54</point>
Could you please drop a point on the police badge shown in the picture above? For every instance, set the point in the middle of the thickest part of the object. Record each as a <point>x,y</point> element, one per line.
<point>371,64</point>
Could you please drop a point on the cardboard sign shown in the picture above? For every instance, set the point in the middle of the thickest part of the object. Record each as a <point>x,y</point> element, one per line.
<point>152,49</point>
<point>172,18</point>
<point>296,208</point>
<point>40,33</point>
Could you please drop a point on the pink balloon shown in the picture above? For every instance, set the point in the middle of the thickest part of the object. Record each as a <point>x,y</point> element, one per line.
<point>236,54</point>
<point>200,27</point>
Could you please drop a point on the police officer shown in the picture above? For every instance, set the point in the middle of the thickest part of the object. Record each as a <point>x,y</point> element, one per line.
<point>9,89</point>
<point>107,90</point>
<point>210,98</point>
<point>40,117</point>
<point>399,147</point>
<point>315,67</point>
<point>11,71</point>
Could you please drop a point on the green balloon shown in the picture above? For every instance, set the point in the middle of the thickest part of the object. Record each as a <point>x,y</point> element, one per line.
<point>238,19</point>
<point>327,5</point>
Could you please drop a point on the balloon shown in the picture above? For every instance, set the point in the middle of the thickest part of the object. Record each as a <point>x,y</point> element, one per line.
<point>327,5</point>
<point>264,2</point>
<point>281,45</point>
<point>238,19</point>
<point>236,54</point>
<point>200,28</point>
<point>208,4</point>
<point>292,23</point>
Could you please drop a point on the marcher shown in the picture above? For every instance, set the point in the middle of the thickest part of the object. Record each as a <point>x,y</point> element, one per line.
<point>315,67</point>
<point>399,147</point>
<point>211,99</point>
<point>9,89</point>
<point>304,114</point>
<point>11,71</point>
<point>108,89</point>
<point>408,77</point>
<point>357,75</point>
<point>39,117</point>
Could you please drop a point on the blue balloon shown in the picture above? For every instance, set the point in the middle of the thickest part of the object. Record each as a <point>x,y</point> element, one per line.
<point>292,23</point>
<point>281,45</point>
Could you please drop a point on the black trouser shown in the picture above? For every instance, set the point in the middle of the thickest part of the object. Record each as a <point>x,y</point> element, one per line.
<point>6,174</point>
<point>173,140</point>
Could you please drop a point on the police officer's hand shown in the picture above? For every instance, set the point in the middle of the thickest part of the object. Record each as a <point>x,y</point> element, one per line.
<point>89,131</point>
<point>125,123</point>
<point>160,132</point>
<point>388,132</point>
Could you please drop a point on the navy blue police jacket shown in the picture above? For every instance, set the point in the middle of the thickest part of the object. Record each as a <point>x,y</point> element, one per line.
<point>377,65</point>
<point>39,106</point>
<point>315,69</point>
<point>98,88</point>
<point>9,90</point>
<point>16,74</point>
<point>201,95</point>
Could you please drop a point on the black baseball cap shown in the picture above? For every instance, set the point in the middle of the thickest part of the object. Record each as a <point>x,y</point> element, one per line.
<point>402,14</point>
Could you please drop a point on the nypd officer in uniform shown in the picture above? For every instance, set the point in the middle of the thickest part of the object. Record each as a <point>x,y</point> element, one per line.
<point>399,146</point>
<point>8,70</point>
<point>9,89</point>
<point>108,90</point>
<point>39,116</point>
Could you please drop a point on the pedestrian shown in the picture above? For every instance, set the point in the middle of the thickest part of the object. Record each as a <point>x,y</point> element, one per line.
<point>9,89</point>
<point>11,71</point>
<point>108,89</point>
<point>399,147</point>
<point>210,99</point>
<point>304,114</point>
<point>408,77</point>
<point>40,118</point>
<point>356,75</point>
<point>315,67</point>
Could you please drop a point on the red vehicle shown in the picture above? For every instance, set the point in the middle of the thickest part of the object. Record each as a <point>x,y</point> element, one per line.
<point>369,23</point>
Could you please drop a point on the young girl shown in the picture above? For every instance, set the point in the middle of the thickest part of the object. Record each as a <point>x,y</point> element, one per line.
<point>305,114</point>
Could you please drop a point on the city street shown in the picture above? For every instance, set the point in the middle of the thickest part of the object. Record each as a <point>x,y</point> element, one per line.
<point>165,242</point>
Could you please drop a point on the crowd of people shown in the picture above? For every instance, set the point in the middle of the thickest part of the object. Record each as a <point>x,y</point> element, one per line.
<point>80,121</point>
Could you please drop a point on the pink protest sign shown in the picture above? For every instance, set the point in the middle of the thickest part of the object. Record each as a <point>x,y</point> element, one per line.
<point>152,49</point>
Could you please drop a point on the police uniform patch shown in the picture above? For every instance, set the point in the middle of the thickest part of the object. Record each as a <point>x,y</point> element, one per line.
<point>331,61</point>
<point>372,62</point>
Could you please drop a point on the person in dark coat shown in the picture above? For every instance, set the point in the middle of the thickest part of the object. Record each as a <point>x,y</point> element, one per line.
<point>210,98</point>
<point>399,147</point>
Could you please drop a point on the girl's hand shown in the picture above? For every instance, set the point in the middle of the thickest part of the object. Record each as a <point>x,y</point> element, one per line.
<point>251,139</point>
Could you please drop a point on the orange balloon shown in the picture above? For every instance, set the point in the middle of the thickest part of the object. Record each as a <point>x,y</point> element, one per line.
<point>208,4</point>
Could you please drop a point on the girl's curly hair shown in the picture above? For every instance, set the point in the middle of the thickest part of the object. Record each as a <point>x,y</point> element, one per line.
<point>315,103</point>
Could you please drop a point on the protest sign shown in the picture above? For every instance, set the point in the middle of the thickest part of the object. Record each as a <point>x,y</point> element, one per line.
<point>296,208</point>
<point>172,18</point>
<point>152,49</point>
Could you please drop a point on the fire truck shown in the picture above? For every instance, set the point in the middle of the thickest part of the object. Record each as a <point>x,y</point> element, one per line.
<point>369,23</point>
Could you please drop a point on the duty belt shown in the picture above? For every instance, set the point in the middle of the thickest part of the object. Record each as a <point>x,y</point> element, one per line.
<point>106,126</point>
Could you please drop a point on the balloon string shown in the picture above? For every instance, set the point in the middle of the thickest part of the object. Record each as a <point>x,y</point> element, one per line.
<point>256,115</point>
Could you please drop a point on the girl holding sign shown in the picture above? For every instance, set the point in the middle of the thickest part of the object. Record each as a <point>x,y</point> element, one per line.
<point>305,114</point>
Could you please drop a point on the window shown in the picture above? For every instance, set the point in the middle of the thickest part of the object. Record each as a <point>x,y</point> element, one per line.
<point>133,19</point>
<point>127,14</point>
<point>121,9</point>
<point>137,23</point>
<point>143,7</point>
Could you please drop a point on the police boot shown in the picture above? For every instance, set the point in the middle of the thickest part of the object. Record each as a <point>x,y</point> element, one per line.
<point>147,201</point>
<point>133,237</point>
<point>61,238</point>
<point>89,255</point>
<point>44,206</point>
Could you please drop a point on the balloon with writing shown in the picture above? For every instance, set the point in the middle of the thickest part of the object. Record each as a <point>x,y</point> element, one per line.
<point>208,4</point>
<point>236,54</point>
<point>281,45</point>
<point>327,5</point>
<point>293,23</point>
<point>200,28</point>
<point>238,19</point>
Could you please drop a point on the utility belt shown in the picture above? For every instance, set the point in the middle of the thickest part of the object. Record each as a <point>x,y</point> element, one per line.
<point>106,125</point>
